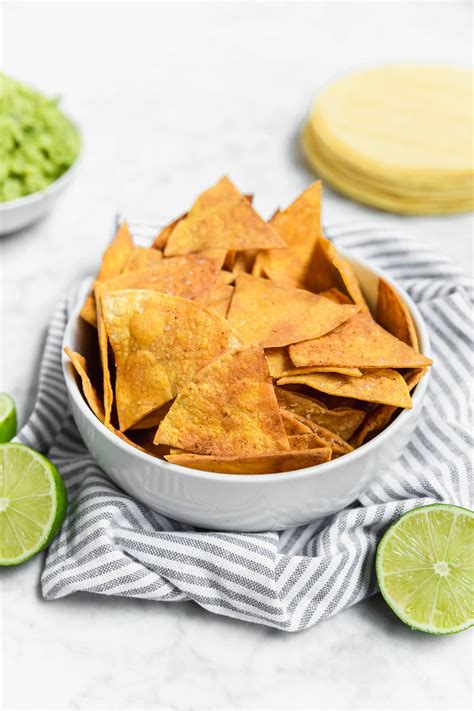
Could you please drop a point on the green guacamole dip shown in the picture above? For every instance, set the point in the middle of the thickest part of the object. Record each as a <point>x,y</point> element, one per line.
<point>37,142</point>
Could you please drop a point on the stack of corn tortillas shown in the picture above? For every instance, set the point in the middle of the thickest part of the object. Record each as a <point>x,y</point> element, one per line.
<point>397,137</point>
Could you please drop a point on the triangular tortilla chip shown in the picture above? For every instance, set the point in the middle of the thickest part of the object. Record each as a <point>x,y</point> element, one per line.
<point>326,437</point>
<point>244,261</point>
<point>113,262</point>
<point>256,464</point>
<point>264,312</point>
<point>142,258</point>
<point>393,315</point>
<point>229,410</point>
<point>221,218</point>
<point>104,354</point>
<point>219,297</point>
<point>280,365</point>
<point>331,270</point>
<point>380,416</point>
<point>335,295</point>
<point>380,385</point>
<point>343,421</point>
<point>305,441</point>
<point>190,277</point>
<point>359,343</point>
<point>292,425</point>
<point>90,393</point>
<point>160,342</point>
<point>300,227</point>
<point>162,237</point>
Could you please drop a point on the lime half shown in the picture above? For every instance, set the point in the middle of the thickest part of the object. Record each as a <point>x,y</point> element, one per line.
<point>33,503</point>
<point>425,568</point>
<point>7,418</point>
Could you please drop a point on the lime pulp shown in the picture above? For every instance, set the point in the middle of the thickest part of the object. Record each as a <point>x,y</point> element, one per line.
<point>7,417</point>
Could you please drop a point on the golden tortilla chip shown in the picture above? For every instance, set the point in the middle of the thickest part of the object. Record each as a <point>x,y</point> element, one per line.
<point>280,365</point>
<point>326,437</point>
<point>104,354</point>
<point>331,270</point>
<point>378,418</point>
<point>343,421</point>
<point>244,261</point>
<point>335,295</point>
<point>256,464</point>
<point>153,419</point>
<point>190,277</point>
<point>380,385</point>
<point>393,315</point>
<point>219,299</point>
<point>113,262</point>
<point>160,342</point>
<point>359,342</point>
<point>266,313</point>
<point>292,425</point>
<point>305,441</point>
<point>221,218</point>
<point>162,237</point>
<point>300,227</point>
<point>142,258</point>
<point>90,393</point>
<point>230,409</point>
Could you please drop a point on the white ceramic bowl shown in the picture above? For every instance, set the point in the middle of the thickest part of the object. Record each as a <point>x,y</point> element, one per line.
<point>245,502</point>
<point>22,212</point>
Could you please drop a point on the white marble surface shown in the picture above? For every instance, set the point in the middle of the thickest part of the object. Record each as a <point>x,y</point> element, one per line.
<point>169,97</point>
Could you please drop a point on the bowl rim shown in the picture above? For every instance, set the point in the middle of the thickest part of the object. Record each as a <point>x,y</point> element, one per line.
<point>317,469</point>
<point>51,188</point>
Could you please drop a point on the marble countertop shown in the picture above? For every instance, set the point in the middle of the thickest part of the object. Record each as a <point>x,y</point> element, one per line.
<point>169,97</point>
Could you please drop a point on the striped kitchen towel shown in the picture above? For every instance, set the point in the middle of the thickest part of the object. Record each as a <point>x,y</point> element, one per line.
<point>112,545</point>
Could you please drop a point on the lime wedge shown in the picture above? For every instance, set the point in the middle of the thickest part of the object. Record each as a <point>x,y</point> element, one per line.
<point>7,418</point>
<point>33,503</point>
<point>425,568</point>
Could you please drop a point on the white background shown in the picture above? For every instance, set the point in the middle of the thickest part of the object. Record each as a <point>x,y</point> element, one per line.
<point>169,97</point>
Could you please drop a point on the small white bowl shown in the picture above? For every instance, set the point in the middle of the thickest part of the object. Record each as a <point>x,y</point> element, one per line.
<point>22,212</point>
<point>245,502</point>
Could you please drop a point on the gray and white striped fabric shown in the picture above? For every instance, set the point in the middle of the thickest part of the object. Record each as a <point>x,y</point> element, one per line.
<point>113,545</point>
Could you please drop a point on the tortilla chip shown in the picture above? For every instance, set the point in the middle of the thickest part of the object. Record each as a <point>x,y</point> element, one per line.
<point>300,227</point>
<point>142,258</point>
<point>393,315</point>
<point>380,385</point>
<point>219,300</point>
<point>190,277</point>
<point>162,237</point>
<point>378,418</point>
<point>221,217</point>
<point>153,419</point>
<point>257,464</point>
<point>90,393</point>
<point>359,342</point>
<point>280,365</point>
<point>230,409</point>
<point>343,421</point>
<point>160,342</point>
<point>244,261</point>
<point>226,277</point>
<point>104,354</point>
<point>332,270</point>
<point>266,313</point>
<point>113,261</point>
<point>326,437</point>
<point>335,295</point>
<point>292,425</point>
<point>304,441</point>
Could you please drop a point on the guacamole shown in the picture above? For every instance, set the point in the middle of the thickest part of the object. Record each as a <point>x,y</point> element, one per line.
<point>38,143</point>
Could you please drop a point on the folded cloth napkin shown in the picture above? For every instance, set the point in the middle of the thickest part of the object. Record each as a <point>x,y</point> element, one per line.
<point>113,545</point>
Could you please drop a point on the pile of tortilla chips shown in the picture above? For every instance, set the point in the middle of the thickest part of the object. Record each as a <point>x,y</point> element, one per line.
<point>241,346</point>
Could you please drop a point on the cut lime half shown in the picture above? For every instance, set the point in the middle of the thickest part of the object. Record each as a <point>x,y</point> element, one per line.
<point>33,503</point>
<point>7,417</point>
<point>425,568</point>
